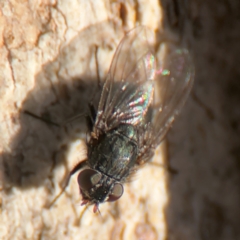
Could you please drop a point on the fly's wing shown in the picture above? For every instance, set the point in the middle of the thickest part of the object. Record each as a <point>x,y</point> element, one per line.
<point>173,82</point>
<point>128,90</point>
<point>144,90</point>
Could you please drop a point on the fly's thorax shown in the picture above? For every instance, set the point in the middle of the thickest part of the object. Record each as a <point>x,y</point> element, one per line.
<point>97,187</point>
<point>115,152</point>
<point>128,131</point>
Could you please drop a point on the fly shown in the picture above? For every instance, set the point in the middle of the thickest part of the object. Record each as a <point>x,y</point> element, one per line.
<point>141,97</point>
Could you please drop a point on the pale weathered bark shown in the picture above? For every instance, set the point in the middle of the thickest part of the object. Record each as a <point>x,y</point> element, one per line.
<point>48,54</point>
<point>48,66</point>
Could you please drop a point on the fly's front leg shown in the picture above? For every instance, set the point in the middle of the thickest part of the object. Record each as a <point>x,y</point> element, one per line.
<point>77,168</point>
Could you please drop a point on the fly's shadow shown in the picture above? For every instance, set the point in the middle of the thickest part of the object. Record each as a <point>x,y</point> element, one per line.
<point>63,89</point>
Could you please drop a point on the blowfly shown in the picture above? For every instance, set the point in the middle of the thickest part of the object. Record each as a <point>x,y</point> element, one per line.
<point>144,91</point>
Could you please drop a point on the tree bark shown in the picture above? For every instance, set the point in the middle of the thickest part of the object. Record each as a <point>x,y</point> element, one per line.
<point>51,52</point>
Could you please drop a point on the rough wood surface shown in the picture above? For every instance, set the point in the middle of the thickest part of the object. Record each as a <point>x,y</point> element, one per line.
<point>48,52</point>
<point>48,65</point>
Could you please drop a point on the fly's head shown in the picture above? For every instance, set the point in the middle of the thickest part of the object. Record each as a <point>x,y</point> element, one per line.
<point>97,188</point>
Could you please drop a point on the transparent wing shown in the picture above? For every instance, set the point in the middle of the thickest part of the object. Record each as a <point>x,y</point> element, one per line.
<point>144,89</point>
<point>128,90</point>
<point>173,82</point>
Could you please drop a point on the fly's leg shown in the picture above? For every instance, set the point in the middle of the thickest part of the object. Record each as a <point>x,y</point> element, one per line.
<point>65,123</point>
<point>97,68</point>
<point>77,168</point>
<point>41,118</point>
<point>147,158</point>
<point>90,119</point>
<point>148,146</point>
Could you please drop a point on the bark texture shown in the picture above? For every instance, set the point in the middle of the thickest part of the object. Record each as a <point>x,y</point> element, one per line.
<point>48,54</point>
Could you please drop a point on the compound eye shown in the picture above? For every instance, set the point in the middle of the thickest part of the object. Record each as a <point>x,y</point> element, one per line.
<point>116,193</point>
<point>88,178</point>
